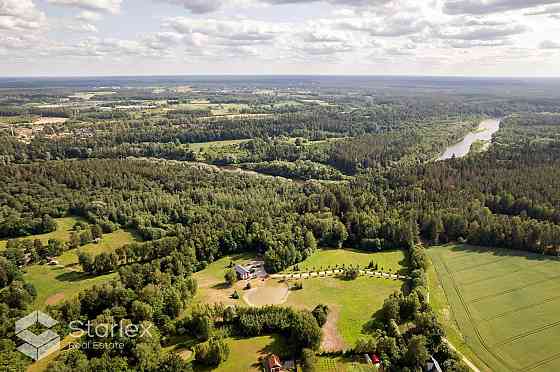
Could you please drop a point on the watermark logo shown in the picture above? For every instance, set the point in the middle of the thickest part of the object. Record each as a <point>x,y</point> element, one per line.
<point>37,346</point>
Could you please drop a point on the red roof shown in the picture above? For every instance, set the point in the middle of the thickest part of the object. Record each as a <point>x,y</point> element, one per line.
<point>273,361</point>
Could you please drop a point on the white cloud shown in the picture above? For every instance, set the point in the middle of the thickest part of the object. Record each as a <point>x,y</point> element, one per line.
<point>88,16</point>
<point>108,6</point>
<point>243,31</point>
<point>548,44</point>
<point>19,15</point>
<point>491,6</point>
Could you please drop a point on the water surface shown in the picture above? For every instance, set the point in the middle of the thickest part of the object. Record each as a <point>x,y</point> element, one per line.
<point>485,130</point>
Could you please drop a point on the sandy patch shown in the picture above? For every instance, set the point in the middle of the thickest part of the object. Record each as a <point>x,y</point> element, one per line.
<point>332,341</point>
<point>55,299</point>
<point>185,354</point>
<point>50,120</point>
<point>267,295</point>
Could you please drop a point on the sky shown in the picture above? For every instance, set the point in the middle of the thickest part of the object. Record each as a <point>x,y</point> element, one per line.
<point>362,37</point>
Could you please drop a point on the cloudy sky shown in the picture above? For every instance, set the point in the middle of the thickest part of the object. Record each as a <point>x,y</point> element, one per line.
<point>145,37</point>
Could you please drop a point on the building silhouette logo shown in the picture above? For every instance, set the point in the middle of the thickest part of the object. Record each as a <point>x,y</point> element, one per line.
<point>37,346</point>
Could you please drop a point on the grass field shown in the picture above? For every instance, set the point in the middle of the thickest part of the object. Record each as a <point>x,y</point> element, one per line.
<point>393,260</point>
<point>55,284</point>
<point>355,301</point>
<point>245,353</point>
<point>505,305</point>
<point>211,287</point>
<point>63,230</point>
<point>340,364</point>
<point>58,283</point>
<point>199,146</point>
<point>109,242</point>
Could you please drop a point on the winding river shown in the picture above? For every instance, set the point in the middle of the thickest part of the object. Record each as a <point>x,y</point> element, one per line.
<point>485,130</point>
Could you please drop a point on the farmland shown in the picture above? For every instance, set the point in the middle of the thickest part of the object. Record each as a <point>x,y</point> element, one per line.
<point>504,304</point>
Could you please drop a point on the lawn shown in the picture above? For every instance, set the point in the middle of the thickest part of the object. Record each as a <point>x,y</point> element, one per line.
<point>109,242</point>
<point>245,353</point>
<point>340,364</point>
<point>355,301</point>
<point>55,284</point>
<point>503,305</point>
<point>63,230</point>
<point>211,286</point>
<point>322,259</point>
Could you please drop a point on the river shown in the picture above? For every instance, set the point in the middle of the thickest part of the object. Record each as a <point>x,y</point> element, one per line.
<point>485,130</point>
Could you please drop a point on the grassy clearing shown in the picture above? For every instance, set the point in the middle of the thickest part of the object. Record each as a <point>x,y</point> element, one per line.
<point>109,243</point>
<point>504,303</point>
<point>217,144</point>
<point>327,364</point>
<point>389,260</point>
<point>54,284</point>
<point>63,230</point>
<point>356,301</point>
<point>245,353</point>
<point>212,288</point>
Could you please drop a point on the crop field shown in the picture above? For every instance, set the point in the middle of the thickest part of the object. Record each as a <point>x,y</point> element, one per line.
<point>504,303</point>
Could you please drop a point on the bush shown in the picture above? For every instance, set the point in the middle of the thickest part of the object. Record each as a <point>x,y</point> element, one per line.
<point>230,277</point>
<point>297,286</point>
<point>351,273</point>
<point>321,313</point>
<point>212,353</point>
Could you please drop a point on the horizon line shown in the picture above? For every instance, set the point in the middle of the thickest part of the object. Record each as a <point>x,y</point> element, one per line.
<point>277,75</point>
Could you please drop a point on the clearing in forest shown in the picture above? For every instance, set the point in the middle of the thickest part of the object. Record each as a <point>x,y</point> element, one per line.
<point>504,303</point>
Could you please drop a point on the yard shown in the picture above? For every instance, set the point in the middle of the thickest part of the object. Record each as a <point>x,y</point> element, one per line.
<point>393,261</point>
<point>353,302</point>
<point>500,304</point>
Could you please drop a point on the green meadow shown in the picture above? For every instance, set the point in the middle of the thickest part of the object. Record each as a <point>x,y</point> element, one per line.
<point>500,305</point>
<point>394,261</point>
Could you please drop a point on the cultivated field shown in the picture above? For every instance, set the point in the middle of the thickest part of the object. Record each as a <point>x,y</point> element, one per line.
<point>505,305</point>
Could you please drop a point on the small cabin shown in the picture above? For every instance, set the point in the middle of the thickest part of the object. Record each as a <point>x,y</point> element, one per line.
<point>242,272</point>
<point>273,363</point>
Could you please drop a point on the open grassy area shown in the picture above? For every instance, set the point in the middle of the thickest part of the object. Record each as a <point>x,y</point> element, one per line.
<point>55,284</point>
<point>503,303</point>
<point>206,145</point>
<point>245,353</point>
<point>63,230</point>
<point>322,259</point>
<point>109,242</point>
<point>340,364</point>
<point>212,288</point>
<point>355,301</point>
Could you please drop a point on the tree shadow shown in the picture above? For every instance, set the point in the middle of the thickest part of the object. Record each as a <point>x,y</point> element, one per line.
<point>221,286</point>
<point>499,252</point>
<point>73,276</point>
<point>374,323</point>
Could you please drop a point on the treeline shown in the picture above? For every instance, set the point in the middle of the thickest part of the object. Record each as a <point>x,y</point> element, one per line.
<point>300,169</point>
